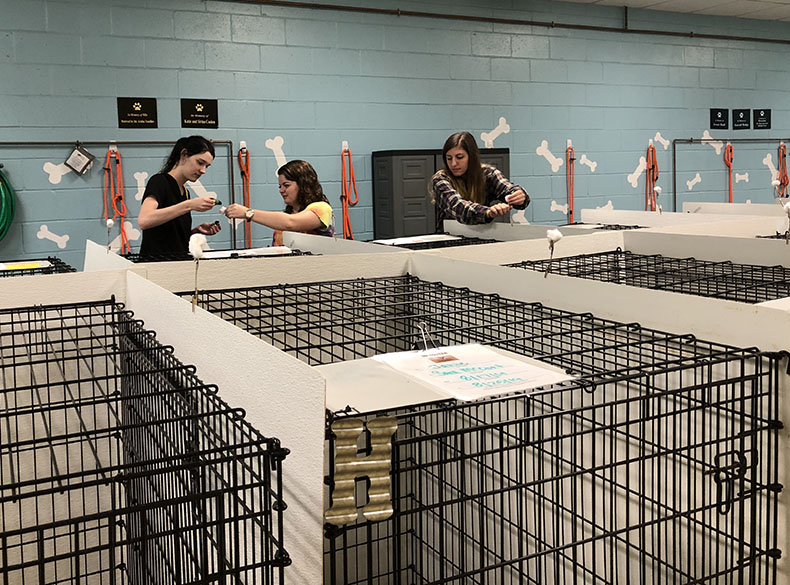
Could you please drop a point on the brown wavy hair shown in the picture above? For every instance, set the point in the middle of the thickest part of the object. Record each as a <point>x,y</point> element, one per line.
<point>303,174</point>
<point>471,186</point>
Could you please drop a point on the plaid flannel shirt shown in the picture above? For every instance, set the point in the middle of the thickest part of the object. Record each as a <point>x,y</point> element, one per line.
<point>450,204</point>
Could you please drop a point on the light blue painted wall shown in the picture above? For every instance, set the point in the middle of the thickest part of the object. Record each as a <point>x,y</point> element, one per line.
<point>381,82</point>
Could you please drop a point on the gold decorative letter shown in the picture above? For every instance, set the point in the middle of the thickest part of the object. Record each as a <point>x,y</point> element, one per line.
<point>348,467</point>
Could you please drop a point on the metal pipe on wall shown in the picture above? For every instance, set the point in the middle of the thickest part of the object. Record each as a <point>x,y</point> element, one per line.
<point>226,143</point>
<point>515,21</point>
<point>677,141</point>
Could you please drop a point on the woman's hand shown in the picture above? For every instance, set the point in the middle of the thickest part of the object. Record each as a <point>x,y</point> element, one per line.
<point>497,210</point>
<point>236,211</point>
<point>208,229</point>
<point>516,198</point>
<point>202,204</point>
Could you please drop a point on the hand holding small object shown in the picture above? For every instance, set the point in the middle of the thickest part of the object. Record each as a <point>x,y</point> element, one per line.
<point>235,211</point>
<point>202,204</point>
<point>498,209</point>
<point>516,198</point>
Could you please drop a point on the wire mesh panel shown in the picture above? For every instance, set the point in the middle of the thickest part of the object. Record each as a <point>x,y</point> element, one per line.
<point>118,465</point>
<point>657,465</point>
<point>49,265</point>
<point>661,476</point>
<point>747,283</point>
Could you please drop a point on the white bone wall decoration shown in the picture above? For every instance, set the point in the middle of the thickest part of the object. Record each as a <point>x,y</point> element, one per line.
<point>45,234</point>
<point>56,172</point>
<point>716,144</point>
<point>276,146</point>
<point>200,190</point>
<point>607,207</point>
<point>557,207</point>
<point>664,142</point>
<point>489,137</point>
<point>769,162</point>
<point>742,178</point>
<point>588,163</point>
<point>695,181</point>
<point>132,234</point>
<point>633,178</point>
<point>543,150</point>
<point>140,178</point>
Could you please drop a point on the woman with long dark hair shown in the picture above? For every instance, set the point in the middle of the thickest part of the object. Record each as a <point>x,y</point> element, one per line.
<point>467,190</point>
<point>307,210</point>
<point>165,215</point>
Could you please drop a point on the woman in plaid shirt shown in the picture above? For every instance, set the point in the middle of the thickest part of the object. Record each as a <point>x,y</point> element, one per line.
<point>467,190</point>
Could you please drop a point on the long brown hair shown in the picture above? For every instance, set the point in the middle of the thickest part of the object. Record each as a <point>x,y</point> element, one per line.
<point>303,174</point>
<point>471,186</point>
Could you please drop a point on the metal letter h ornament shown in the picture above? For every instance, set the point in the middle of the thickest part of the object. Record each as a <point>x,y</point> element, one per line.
<point>348,467</point>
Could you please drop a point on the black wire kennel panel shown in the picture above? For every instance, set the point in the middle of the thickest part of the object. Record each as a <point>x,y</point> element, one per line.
<point>663,476</point>
<point>747,283</point>
<point>118,465</point>
<point>49,265</point>
<point>326,322</point>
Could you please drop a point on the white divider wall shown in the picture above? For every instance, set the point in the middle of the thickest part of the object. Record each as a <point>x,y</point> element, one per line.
<point>654,219</point>
<point>336,245</point>
<point>733,208</point>
<point>100,258</point>
<point>533,249</point>
<point>248,272</point>
<point>52,289</point>
<point>507,232</point>
<point>282,397</point>
<point>765,252</point>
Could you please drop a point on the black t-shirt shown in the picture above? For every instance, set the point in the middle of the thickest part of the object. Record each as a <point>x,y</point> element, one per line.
<point>172,237</point>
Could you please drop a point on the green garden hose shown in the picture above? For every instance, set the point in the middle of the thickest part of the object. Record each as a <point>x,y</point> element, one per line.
<point>6,205</point>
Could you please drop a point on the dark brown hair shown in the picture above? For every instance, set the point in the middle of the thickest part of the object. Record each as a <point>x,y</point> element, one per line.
<point>190,146</point>
<point>470,186</point>
<point>304,175</point>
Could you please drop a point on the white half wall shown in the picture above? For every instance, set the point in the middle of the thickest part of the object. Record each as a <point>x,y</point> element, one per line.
<point>336,245</point>
<point>100,258</point>
<point>733,208</point>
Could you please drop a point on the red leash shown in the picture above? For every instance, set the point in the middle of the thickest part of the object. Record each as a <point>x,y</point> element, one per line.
<point>244,169</point>
<point>113,174</point>
<point>781,189</point>
<point>651,177</point>
<point>728,158</point>
<point>345,191</point>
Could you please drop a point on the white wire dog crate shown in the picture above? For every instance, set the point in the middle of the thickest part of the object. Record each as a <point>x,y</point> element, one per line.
<point>119,466</point>
<point>658,464</point>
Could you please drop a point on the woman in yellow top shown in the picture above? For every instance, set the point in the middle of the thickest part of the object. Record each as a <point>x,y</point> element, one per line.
<point>307,209</point>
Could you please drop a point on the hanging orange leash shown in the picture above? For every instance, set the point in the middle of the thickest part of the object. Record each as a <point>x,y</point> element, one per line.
<point>113,176</point>
<point>244,169</point>
<point>728,158</point>
<point>781,189</point>
<point>346,186</point>
<point>651,204</point>
<point>570,175</point>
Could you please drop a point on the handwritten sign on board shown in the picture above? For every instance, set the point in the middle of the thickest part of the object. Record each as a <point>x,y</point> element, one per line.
<point>473,371</point>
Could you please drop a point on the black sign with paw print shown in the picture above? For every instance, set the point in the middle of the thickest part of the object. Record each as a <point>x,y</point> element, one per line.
<point>137,113</point>
<point>199,113</point>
